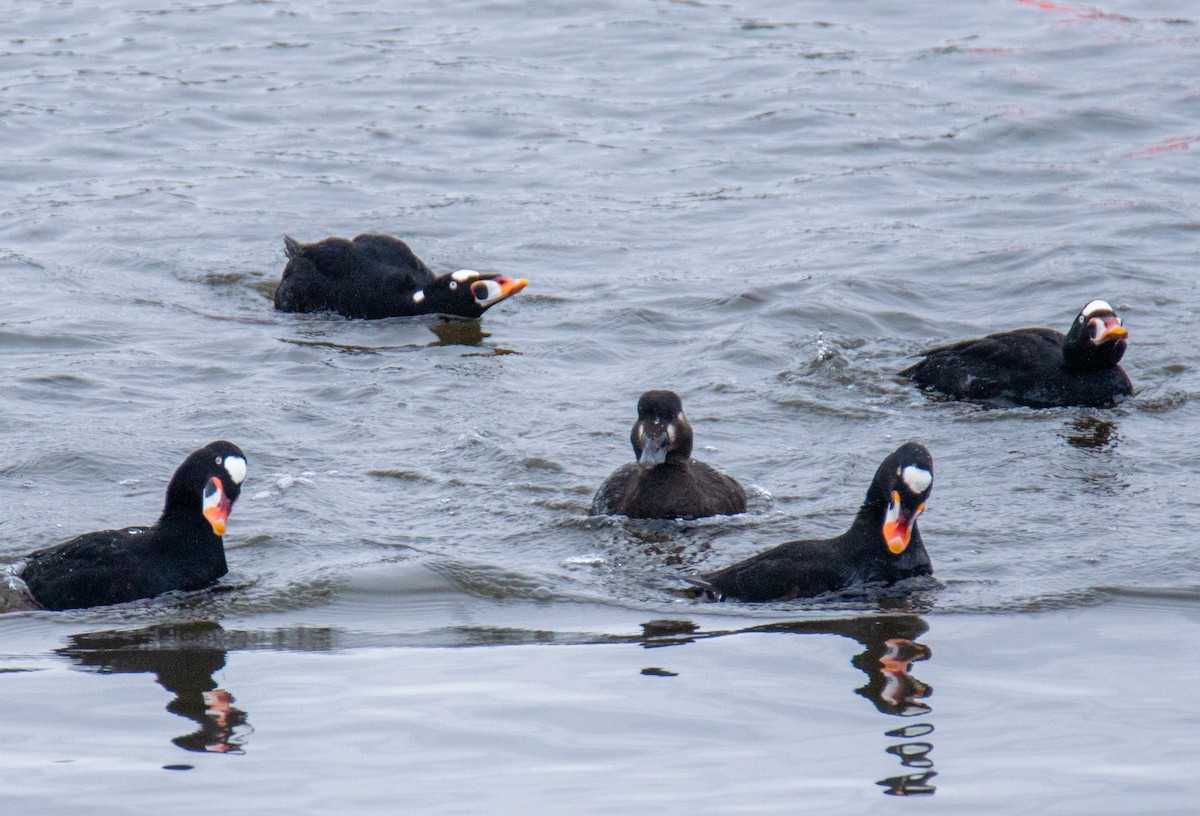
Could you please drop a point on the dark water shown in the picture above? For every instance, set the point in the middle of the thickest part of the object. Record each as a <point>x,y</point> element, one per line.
<point>767,207</point>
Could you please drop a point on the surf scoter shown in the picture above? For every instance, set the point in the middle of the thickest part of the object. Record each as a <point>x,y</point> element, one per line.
<point>665,482</point>
<point>182,550</point>
<point>882,545</point>
<point>1037,368</point>
<point>377,276</point>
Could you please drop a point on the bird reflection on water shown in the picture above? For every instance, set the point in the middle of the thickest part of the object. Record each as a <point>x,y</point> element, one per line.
<point>1091,432</point>
<point>183,662</point>
<point>448,331</point>
<point>184,657</point>
<point>891,649</point>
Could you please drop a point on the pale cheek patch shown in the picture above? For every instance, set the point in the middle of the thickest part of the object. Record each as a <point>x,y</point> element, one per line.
<point>464,275</point>
<point>419,297</point>
<point>671,434</point>
<point>235,466</point>
<point>917,479</point>
<point>1096,306</point>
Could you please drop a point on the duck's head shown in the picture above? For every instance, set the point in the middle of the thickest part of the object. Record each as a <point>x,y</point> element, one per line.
<point>662,434</point>
<point>466,293</point>
<point>207,483</point>
<point>1097,338</point>
<point>902,484</point>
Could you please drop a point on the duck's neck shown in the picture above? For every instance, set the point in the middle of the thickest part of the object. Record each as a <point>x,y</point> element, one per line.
<point>868,522</point>
<point>187,529</point>
<point>1082,355</point>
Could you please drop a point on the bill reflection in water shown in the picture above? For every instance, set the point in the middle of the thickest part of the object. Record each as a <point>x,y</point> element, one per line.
<point>891,649</point>
<point>183,663</point>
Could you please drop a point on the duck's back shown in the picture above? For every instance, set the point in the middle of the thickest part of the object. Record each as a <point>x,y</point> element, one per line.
<point>370,277</point>
<point>805,569</point>
<point>1022,367</point>
<point>664,492</point>
<point>797,569</point>
<point>117,566</point>
<point>1000,366</point>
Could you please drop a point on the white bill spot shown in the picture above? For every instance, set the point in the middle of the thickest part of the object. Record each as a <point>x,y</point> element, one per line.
<point>486,292</point>
<point>893,510</point>
<point>212,495</point>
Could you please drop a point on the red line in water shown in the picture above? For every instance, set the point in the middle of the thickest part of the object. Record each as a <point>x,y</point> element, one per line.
<point>1166,146</point>
<point>1090,12</point>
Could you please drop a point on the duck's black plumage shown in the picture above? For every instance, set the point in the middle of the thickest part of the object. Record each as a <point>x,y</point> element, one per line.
<point>1038,368</point>
<point>183,550</point>
<point>665,482</point>
<point>883,545</point>
<point>375,276</point>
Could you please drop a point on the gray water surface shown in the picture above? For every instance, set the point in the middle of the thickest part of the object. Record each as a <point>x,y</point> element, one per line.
<point>768,207</point>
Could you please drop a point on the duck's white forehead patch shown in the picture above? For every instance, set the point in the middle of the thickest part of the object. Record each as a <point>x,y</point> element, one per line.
<point>464,275</point>
<point>235,466</point>
<point>917,479</point>
<point>1097,306</point>
<point>418,296</point>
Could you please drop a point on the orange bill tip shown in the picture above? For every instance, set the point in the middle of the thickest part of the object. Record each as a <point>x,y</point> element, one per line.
<point>510,286</point>
<point>896,534</point>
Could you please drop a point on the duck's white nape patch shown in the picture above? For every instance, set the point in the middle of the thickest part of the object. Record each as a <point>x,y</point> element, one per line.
<point>1097,306</point>
<point>419,296</point>
<point>235,466</point>
<point>464,275</point>
<point>917,479</point>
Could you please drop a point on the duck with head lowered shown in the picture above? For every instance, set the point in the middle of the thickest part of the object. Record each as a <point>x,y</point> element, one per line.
<point>665,481</point>
<point>376,276</point>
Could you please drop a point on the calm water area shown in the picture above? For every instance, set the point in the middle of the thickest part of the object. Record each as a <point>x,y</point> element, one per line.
<point>769,207</point>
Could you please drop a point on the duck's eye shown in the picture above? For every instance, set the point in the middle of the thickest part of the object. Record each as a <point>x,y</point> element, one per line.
<point>453,285</point>
<point>485,291</point>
